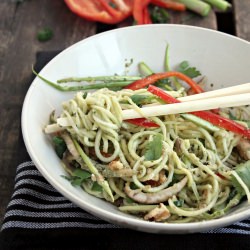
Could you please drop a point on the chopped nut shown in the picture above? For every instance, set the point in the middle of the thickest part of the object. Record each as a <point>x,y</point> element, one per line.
<point>162,177</point>
<point>159,213</point>
<point>93,177</point>
<point>155,177</point>
<point>115,165</point>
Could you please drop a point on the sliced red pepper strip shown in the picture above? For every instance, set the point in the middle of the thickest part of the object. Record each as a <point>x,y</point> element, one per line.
<point>213,118</point>
<point>162,94</point>
<point>143,123</point>
<point>220,175</point>
<point>146,16</point>
<point>169,5</point>
<point>223,122</point>
<point>138,10</point>
<point>157,76</point>
<point>124,6</point>
<point>94,10</point>
<point>113,12</point>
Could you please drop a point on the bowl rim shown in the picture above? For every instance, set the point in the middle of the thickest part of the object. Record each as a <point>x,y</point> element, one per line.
<point>117,219</point>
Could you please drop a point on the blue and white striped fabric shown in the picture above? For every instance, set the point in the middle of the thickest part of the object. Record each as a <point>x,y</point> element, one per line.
<point>35,204</point>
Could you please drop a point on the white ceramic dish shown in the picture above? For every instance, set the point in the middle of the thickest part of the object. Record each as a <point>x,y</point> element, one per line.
<point>224,59</point>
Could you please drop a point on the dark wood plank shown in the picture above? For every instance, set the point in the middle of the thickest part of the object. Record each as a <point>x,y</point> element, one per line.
<point>242,18</point>
<point>19,24</point>
<point>190,18</point>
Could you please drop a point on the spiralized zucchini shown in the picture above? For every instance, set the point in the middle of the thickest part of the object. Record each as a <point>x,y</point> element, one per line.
<point>189,181</point>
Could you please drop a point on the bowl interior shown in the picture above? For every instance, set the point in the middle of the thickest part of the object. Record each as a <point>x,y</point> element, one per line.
<point>222,58</point>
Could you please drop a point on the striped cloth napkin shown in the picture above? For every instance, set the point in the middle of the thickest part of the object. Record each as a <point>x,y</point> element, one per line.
<point>36,211</point>
<point>38,217</point>
<point>35,204</point>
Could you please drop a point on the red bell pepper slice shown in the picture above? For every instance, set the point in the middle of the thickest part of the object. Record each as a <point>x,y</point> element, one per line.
<point>143,123</point>
<point>223,122</point>
<point>146,16</point>
<point>112,11</point>
<point>169,5</point>
<point>213,118</point>
<point>139,9</point>
<point>157,76</point>
<point>101,11</point>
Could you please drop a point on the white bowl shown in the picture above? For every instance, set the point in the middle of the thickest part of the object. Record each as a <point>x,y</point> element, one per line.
<point>224,59</point>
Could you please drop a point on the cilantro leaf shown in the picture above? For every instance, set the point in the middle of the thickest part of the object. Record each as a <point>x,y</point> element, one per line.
<point>60,146</point>
<point>179,203</point>
<point>154,148</point>
<point>76,181</point>
<point>78,176</point>
<point>85,94</point>
<point>191,72</point>
<point>81,174</point>
<point>133,186</point>
<point>129,200</point>
<point>96,187</point>
<point>243,171</point>
<point>44,34</point>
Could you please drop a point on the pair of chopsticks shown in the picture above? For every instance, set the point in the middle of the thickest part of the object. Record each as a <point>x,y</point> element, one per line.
<point>234,96</point>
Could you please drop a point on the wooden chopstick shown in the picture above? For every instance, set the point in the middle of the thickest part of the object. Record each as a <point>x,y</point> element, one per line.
<point>233,90</point>
<point>221,98</point>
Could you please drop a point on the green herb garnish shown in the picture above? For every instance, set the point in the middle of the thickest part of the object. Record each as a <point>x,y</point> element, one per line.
<point>243,171</point>
<point>96,187</point>
<point>44,34</point>
<point>191,72</point>
<point>78,176</point>
<point>154,148</point>
<point>159,15</point>
<point>129,200</point>
<point>179,203</point>
<point>60,146</point>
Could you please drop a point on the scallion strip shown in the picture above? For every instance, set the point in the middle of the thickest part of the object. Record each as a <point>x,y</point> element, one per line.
<point>99,78</point>
<point>109,85</point>
<point>99,178</point>
<point>219,4</point>
<point>197,6</point>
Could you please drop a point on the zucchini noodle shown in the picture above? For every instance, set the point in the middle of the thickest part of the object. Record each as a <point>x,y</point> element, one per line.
<point>190,179</point>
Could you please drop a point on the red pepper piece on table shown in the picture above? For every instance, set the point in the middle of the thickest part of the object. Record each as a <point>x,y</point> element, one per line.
<point>146,16</point>
<point>101,11</point>
<point>138,10</point>
<point>168,4</point>
<point>213,118</point>
<point>112,11</point>
<point>142,83</point>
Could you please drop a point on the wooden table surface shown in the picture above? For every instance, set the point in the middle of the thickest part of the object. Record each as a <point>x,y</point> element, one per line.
<point>19,23</point>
